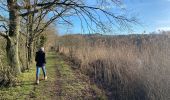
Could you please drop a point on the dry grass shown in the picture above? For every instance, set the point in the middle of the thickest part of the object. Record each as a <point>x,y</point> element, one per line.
<point>130,68</point>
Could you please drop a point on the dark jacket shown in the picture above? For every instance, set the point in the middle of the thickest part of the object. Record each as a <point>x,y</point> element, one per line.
<point>40,59</point>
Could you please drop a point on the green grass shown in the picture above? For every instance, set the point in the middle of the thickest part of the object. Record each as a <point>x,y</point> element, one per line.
<point>63,83</point>
<point>23,88</point>
<point>26,88</point>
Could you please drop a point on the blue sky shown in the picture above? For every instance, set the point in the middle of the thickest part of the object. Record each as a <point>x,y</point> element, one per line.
<point>153,15</point>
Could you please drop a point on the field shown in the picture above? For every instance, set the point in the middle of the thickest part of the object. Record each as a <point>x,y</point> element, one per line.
<point>128,67</point>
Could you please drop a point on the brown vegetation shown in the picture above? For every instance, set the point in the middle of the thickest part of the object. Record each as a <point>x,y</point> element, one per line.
<point>134,67</point>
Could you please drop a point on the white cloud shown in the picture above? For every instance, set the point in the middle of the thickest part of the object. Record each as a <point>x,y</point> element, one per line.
<point>163,29</point>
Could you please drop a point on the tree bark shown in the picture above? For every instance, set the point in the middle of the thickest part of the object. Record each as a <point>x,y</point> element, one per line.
<point>30,53</point>
<point>30,22</point>
<point>12,40</point>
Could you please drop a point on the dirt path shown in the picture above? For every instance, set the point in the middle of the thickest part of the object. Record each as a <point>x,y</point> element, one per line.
<point>58,84</point>
<point>48,89</point>
<point>63,83</point>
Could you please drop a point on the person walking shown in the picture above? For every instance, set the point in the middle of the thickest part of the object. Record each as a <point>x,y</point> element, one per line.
<point>40,64</point>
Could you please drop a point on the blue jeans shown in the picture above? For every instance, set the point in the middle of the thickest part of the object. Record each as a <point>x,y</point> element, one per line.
<point>38,71</point>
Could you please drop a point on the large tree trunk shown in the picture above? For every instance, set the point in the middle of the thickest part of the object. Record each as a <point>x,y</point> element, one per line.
<point>12,55</point>
<point>12,41</point>
<point>30,41</point>
<point>29,53</point>
<point>30,36</point>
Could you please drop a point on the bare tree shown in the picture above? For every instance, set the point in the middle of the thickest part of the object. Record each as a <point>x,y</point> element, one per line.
<point>53,10</point>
